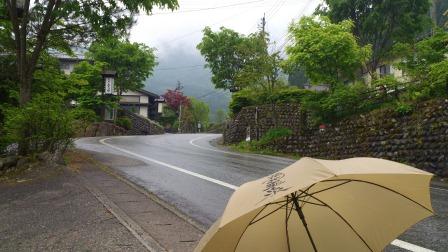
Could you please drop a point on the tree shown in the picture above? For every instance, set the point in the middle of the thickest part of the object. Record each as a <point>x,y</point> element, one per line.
<point>60,24</point>
<point>327,52</point>
<point>417,57</point>
<point>260,68</point>
<point>222,51</point>
<point>380,23</point>
<point>175,99</point>
<point>220,116</point>
<point>87,86</point>
<point>200,111</point>
<point>134,62</point>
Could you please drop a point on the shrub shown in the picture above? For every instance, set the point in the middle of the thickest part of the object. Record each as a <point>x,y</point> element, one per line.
<point>44,124</point>
<point>287,95</point>
<point>241,99</point>
<point>273,135</point>
<point>403,108</point>
<point>124,122</point>
<point>83,118</point>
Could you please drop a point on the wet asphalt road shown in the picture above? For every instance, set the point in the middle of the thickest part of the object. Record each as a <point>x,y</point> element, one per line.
<point>203,200</point>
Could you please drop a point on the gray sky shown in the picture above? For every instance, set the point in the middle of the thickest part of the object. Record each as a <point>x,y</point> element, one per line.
<point>182,28</point>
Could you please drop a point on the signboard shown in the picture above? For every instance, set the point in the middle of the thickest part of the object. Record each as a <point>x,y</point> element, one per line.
<point>109,85</point>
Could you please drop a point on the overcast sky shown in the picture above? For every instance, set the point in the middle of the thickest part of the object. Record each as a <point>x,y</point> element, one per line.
<point>182,28</point>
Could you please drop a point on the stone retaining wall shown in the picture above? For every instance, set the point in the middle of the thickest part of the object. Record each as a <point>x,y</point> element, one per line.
<point>419,139</point>
<point>102,129</point>
<point>141,125</point>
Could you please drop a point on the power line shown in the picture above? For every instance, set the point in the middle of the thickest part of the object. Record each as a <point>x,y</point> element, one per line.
<point>209,8</point>
<point>288,39</point>
<point>200,30</point>
<point>210,93</point>
<point>180,67</point>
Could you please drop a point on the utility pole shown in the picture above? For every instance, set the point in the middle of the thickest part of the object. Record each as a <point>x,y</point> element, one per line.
<point>263,24</point>
<point>179,86</point>
<point>179,128</point>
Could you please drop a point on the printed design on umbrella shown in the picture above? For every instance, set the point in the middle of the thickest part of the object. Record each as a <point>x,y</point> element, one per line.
<point>274,184</point>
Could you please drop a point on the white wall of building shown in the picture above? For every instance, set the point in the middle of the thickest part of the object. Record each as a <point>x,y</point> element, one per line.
<point>143,111</point>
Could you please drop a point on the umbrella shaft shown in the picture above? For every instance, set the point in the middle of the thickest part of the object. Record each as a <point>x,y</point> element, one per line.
<point>302,218</point>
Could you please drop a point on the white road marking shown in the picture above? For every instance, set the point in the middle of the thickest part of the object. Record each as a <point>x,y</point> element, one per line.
<point>192,142</point>
<point>222,183</point>
<point>409,246</point>
<point>440,189</point>
<point>398,243</point>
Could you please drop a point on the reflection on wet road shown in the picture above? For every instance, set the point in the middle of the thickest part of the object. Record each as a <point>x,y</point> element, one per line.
<point>188,172</point>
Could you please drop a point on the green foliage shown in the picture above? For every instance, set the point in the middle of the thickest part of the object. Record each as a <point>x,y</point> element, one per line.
<point>241,99</point>
<point>49,78</point>
<point>86,86</point>
<point>403,108</point>
<point>83,117</point>
<point>329,53</point>
<point>285,95</point>
<point>220,116</point>
<point>342,102</point>
<point>273,135</point>
<point>380,24</point>
<point>417,58</point>
<point>200,111</point>
<point>297,77</point>
<point>44,124</point>
<point>9,90</point>
<point>168,118</point>
<point>223,53</point>
<point>124,122</point>
<point>237,61</point>
<point>134,62</point>
<point>262,146</point>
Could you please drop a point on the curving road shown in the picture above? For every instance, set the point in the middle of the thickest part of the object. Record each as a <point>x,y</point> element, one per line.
<point>197,178</point>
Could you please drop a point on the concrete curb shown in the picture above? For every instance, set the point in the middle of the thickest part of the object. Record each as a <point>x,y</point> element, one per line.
<point>150,195</point>
<point>145,239</point>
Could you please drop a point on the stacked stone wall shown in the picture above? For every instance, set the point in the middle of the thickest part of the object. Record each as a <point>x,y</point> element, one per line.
<point>419,139</point>
<point>141,125</point>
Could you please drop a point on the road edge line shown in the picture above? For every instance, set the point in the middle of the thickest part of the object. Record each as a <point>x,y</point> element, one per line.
<point>142,236</point>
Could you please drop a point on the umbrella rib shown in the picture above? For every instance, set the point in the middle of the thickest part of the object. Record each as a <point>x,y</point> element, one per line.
<point>375,184</point>
<point>273,211</point>
<point>323,190</point>
<point>346,222</point>
<point>241,236</point>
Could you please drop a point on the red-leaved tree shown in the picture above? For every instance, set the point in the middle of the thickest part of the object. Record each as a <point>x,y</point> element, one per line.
<point>175,98</point>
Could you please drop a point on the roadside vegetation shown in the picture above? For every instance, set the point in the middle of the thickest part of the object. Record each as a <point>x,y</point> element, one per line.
<point>340,51</point>
<point>265,143</point>
<point>41,108</point>
<point>183,113</point>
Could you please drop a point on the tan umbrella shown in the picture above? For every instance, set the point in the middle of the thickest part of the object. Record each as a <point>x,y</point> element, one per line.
<point>357,204</point>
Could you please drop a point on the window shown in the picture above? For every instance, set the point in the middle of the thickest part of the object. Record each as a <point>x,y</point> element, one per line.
<point>384,70</point>
<point>109,114</point>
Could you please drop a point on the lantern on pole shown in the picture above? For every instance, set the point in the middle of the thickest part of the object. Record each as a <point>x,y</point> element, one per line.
<point>109,79</point>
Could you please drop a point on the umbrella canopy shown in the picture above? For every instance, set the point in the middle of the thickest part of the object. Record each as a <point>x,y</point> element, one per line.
<point>357,204</point>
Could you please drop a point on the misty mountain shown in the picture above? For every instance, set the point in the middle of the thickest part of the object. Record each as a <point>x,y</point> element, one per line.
<point>186,67</point>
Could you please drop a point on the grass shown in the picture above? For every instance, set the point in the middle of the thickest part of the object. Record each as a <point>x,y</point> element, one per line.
<point>250,147</point>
